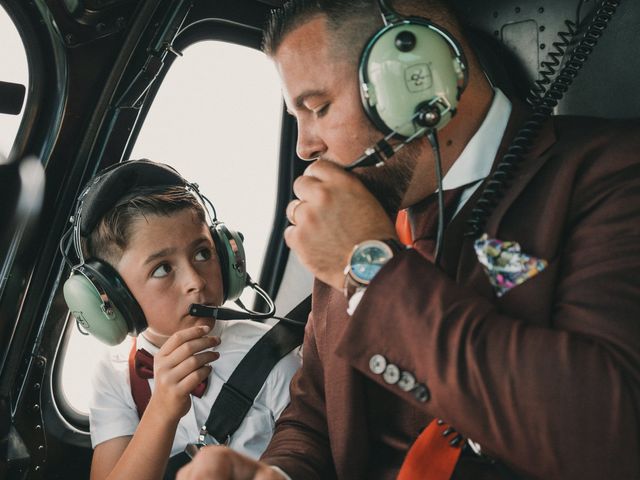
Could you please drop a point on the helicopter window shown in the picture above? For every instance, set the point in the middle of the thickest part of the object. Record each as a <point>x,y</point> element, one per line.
<point>15,74</point>
<point>218,107</point>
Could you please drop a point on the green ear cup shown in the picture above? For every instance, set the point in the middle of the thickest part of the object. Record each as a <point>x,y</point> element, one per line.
<point>232,260</point>
<point>104,321</point>
<point>405,66</point>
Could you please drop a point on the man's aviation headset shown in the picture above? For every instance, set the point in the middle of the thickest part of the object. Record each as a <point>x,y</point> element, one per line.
<point>412,73</point>
<point>96,294</point>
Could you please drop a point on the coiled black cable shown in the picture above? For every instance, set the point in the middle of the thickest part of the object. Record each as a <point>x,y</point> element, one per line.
<point>549,67</point>
<point>544,97</point>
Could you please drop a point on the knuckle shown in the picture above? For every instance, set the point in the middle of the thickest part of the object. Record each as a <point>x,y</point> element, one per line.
<point>192,363</point>
<point>289,235</point>
<point>184,349</point>
<point>323,195</point>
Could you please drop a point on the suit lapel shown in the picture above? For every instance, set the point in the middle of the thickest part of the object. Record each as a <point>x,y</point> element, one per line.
<point>529,166</point>
<point>459,257</point>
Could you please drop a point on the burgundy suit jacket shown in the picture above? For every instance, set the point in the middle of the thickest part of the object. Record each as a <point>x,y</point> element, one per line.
<point>546,378</point>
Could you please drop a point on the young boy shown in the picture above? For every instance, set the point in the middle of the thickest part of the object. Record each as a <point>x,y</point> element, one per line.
<point>159,241</point>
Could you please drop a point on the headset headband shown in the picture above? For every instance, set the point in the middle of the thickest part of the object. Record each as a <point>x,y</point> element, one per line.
<point>118,183</point>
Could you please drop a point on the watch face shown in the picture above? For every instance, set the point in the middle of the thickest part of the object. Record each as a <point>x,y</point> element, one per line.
<point>368,259</point>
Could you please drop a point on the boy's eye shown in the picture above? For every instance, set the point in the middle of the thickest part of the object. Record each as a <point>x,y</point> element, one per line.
<point>203,255</point>
<point>161,271</point>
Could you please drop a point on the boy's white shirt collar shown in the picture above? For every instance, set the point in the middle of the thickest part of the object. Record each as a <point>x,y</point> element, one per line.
<point>143,342</point>
<point>476,160</point>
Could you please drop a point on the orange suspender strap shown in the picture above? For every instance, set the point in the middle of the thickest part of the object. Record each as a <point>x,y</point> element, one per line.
<point>140,389</point>
<point>431,457</point>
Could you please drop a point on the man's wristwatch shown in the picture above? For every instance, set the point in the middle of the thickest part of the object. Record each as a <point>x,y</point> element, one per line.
<point>367,258</point>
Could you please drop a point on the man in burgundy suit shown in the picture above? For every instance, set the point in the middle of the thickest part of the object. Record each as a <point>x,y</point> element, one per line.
<point>533,357</point>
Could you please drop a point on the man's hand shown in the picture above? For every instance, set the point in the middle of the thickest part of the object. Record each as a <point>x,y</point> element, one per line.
<point>222,463</point>
<point>335,211</point>
<point>179,366</point>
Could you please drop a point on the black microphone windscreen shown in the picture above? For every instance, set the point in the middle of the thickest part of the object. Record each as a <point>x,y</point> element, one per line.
<point>199,310</point>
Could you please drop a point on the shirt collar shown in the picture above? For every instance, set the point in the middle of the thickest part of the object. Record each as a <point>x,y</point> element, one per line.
<point>142,341</point>
<point>475,162</point>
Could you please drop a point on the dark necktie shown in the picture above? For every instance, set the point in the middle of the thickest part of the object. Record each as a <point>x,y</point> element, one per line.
<point>432,456</point>
<point>143,364</point>
<point>422,234</point>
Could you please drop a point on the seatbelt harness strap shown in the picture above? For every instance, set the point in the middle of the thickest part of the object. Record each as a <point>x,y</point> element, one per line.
<point>246,381</point>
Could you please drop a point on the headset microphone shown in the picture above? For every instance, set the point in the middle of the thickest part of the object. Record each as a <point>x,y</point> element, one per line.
<point>411,73</point>
<point>220,313</point>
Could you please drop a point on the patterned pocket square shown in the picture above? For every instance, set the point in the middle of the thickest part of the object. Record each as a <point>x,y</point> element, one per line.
<point>505,264</point>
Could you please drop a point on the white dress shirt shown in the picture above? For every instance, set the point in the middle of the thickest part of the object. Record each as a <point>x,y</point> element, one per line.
<point>113,412</point>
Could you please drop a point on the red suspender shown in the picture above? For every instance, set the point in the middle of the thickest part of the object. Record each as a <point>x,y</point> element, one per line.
<point>140,389</point>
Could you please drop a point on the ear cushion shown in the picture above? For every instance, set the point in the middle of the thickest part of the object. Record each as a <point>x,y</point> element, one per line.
<point>406,66</point>
<point>233,263</point>
<point>101,302</point>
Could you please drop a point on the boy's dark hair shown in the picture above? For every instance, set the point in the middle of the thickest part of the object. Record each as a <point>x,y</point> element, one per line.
<point>110,238</point>
<point>350,22</point>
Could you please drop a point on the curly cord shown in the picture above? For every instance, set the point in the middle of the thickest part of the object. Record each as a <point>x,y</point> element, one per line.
<point>549,67</point>
<point>543,107</point>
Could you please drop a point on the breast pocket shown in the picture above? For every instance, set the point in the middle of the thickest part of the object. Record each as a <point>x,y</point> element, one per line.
<point>533,299</point>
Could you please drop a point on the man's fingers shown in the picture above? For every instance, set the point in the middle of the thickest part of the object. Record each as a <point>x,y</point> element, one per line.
<point>304,184</point>
<point>223,463</point>
<point>319,173</point>
<point>291,210</point>
<point>210,462</point>
<point>326,170</point>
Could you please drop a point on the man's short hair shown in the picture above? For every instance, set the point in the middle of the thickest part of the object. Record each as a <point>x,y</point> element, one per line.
<point>350,22</point>
<point>110,238</point>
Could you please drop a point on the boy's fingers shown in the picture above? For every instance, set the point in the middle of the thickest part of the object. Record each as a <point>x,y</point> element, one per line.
<point>183,336</point>
<point>189,348</point>
<point>192,363</point>
<point>184,372</point>
<point>194,346</point>
<point>196,377</point>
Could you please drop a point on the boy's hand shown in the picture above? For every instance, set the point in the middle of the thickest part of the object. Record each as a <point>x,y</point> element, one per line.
<point>179,367</point>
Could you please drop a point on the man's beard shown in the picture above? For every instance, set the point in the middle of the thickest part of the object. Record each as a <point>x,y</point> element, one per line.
<point>389,183</point>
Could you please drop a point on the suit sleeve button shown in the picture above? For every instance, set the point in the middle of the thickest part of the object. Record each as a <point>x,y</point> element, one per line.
<point>391,374</point>
<point>421,393</point>
<point>407,382</point>
<point>377,364</point>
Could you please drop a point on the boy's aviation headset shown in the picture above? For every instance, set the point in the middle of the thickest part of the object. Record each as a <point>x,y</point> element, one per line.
<point>412,73</point>
<point>95,293</point>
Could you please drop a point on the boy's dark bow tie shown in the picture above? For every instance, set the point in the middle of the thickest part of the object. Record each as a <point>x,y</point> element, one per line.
<point>143,363</point>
